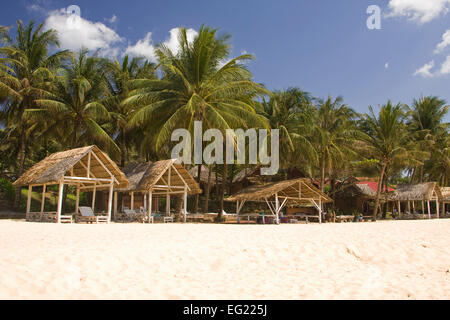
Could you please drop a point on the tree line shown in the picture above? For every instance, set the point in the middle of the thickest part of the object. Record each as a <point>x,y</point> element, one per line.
<point>54,100</point>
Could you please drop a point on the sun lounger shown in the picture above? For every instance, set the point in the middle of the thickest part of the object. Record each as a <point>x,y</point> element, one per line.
<point>131,215</point>
<point>87,215</point>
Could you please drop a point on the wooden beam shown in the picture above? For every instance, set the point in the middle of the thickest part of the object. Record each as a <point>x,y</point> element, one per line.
<point>88,169</point>
<point>110,198</point>
<point>44,187</point>
<point>132,200</point>
<point>94,191</point>
<point>77,199</point>
<point>149,207</point>
<point>104,167</point>
<point>185,202</point>
<point>180,176</point>
<point>30,189</point>
<point>60,202</point>
<point>115,205</point>
<point>429,210</point>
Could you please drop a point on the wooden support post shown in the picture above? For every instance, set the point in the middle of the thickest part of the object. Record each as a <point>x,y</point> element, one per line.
<point>60,202</point>
<point>167,192</point>
<point>399,209</point>
<point>437,208</point>
<point>423,209</point>
<point>94,191</point>
<point>132,201</point>
<point>414,207</point>
<point>77,199</point>
<point>110,199</point>
<point>237,212</point>
<point>149,206</point>
<point>409,207</point>
<point>88,169</point>
<point>320,210</point>
<point>115,205</point>
<point>44,187</point>
<point>185,202</point>
<point>277,206</point>
<point>30,188</point>
<point>429,210</point>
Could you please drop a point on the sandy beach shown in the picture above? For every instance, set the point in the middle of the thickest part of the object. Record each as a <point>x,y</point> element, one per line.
<point>383,260</point>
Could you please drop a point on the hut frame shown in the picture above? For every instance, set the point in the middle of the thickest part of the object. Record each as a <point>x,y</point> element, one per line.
<point>423,193</point>
<point>279,194</point>
<point>161,178</point>
<point>87,168</point>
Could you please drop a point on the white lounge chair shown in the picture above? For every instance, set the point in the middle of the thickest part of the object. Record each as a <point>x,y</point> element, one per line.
<point>87,215</point>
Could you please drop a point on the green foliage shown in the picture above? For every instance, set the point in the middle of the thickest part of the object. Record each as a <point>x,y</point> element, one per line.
<point>7,188</point>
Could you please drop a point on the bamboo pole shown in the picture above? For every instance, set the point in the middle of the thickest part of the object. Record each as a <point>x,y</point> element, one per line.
<point>43,198</point>
<point>60,201</point>
<point>149,207</point>
<point>77,200</point>
<point>115,205</point>
<point>94,191</point>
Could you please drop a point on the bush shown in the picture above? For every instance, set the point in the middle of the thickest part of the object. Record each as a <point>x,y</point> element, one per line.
<point>7,188</point>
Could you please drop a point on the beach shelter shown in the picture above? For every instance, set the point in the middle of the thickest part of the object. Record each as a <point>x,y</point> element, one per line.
<point>87,168</point>
<point>445,198</point>
<point>164,178</point>
<point>277,195</point>
<point>421,192</point>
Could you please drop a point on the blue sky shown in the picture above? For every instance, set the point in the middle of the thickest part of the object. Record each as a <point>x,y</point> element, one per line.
<point>321,46</point>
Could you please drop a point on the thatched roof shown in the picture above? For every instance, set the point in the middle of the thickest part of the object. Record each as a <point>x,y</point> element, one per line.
<point>204,174</point>
<point>243,174</point>
<point>422,191</point>
<point>143,176</point>
<point>445,194</point>
<point>71,163</point>
<point>287,188</point>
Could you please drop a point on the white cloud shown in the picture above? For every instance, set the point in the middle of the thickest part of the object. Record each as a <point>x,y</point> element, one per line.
<point>146,48</point>
<point>425,71</point>
<point>421,11</point>
<point>76,32</point>
<point>386,65</point>
<point>112,19</point>
<point>143,48</point>
<point>445,67</point>
<point>444,43</point>
<point>172,41</point>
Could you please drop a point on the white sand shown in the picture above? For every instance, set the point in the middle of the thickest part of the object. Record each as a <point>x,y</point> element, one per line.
<point>383,260</point>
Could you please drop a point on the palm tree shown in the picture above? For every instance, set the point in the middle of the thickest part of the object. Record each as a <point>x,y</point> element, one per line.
<point>425,122</point>
<point>290,112</point>
<point>334,133</point>
<point>385,137</point>
<point>75,101</point>
<point>198,85</point>
<point>119,81</point>
<point>26,71</point>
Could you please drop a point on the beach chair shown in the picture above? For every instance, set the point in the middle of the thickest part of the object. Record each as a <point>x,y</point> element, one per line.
<point>87,215</point>
<point>132,216</point>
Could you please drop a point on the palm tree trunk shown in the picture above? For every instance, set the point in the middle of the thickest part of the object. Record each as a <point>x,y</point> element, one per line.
<point>207,191</point>
<point>21,169</point>
<point>377,198</point>
<point>322,173</point>
<point>222,192</point>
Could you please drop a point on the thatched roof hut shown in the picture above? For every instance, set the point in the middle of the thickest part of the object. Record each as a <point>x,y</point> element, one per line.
<point>290,189</point>
<point>204,174</point>
<point>427,191</point>
<point>87,168</point>
<point>445,191</point>
<point>146,175</point>
<point>296,192</point>
<point>161,178</point>
<point>72,163</point>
